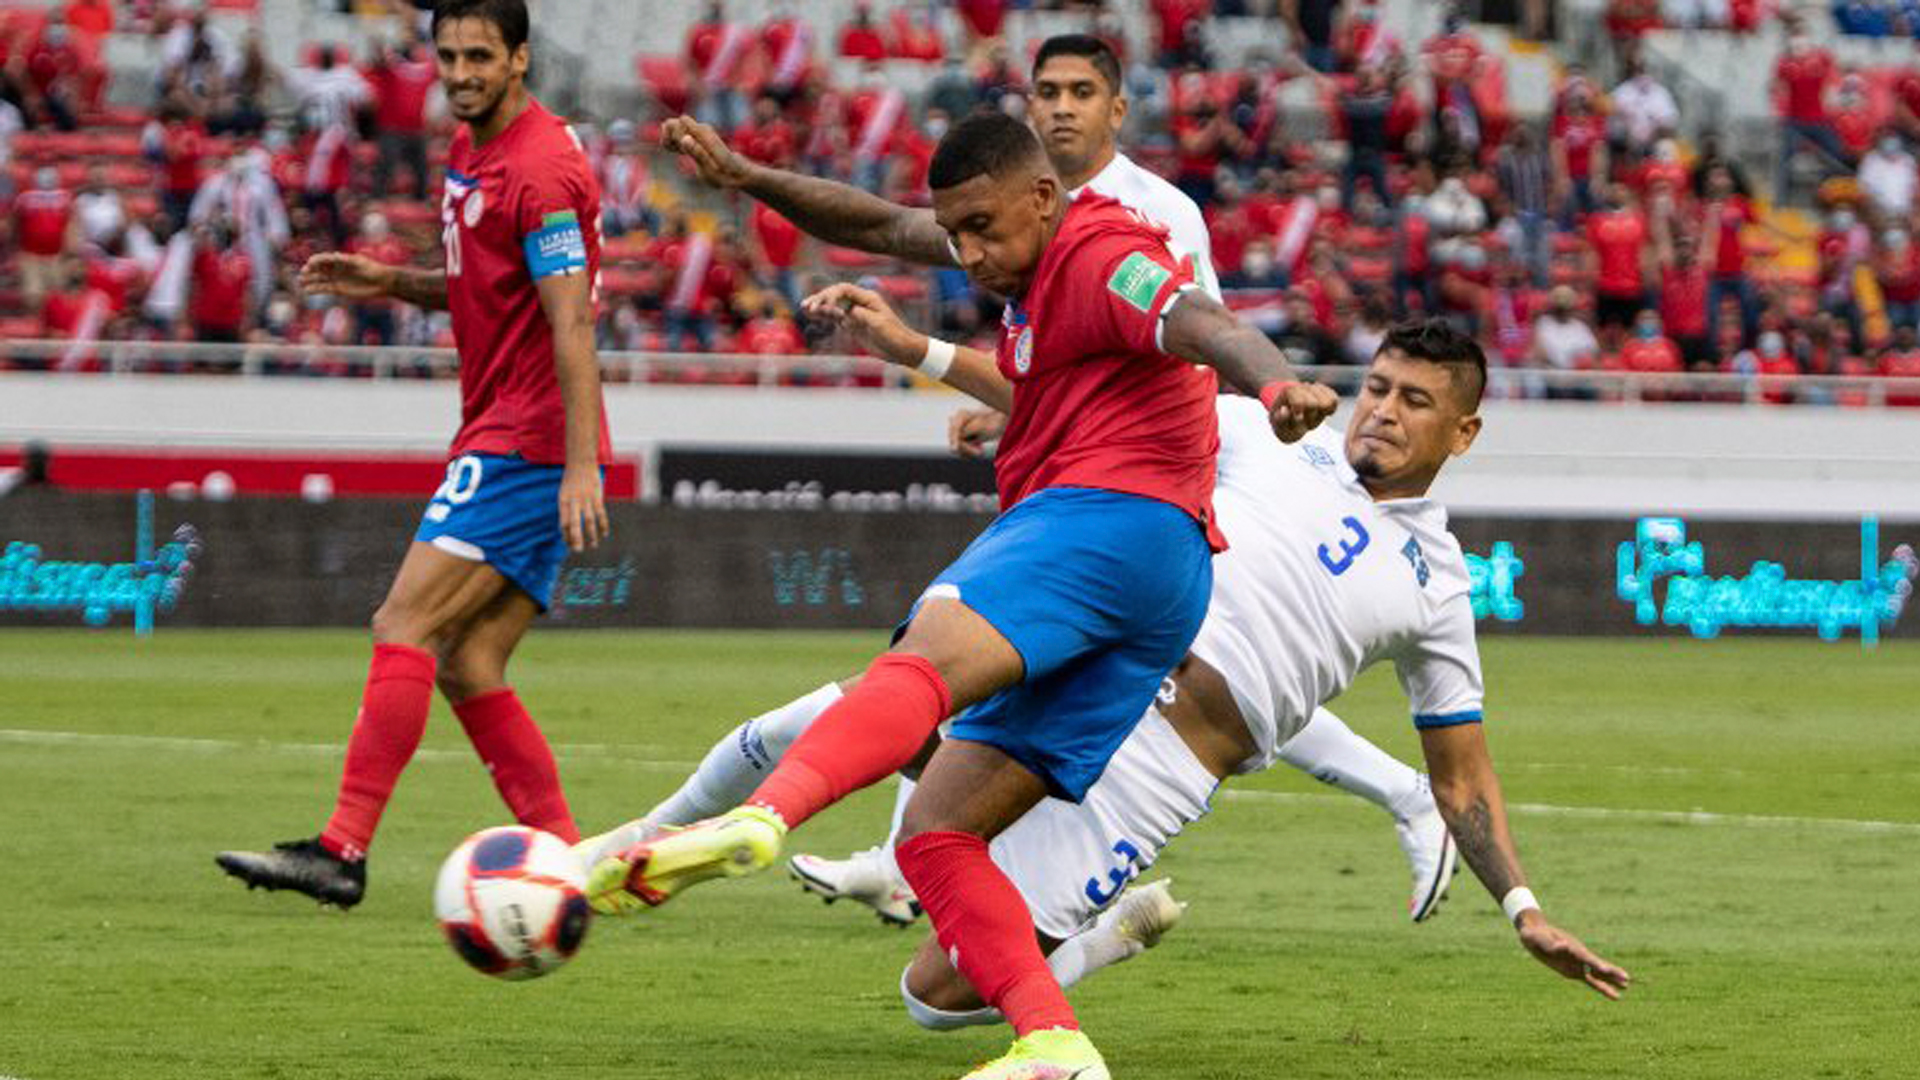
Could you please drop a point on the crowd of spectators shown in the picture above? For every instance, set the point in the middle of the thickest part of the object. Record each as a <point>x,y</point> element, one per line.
<point>1590,239</point>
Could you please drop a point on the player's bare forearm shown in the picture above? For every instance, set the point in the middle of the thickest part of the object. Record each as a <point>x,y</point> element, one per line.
<point>576,364</point>
<point>1467,791</point>
<point>845,215</point>
<point>421,288</point>
<point>976,375</point>
<point>1201,329</point>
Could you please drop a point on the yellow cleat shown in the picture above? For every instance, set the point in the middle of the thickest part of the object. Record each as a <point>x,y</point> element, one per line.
<point>741,841</point>
<point>1053,1054</point>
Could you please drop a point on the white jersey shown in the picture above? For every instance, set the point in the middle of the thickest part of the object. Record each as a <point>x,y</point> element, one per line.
<point>1147,193</point>
<point>1320,581</point>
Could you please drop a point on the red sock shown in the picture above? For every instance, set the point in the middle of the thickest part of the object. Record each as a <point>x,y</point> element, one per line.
<point>393,713</point>
<point>983,925</point>
<point>518,758</point>
<point>862,739</point>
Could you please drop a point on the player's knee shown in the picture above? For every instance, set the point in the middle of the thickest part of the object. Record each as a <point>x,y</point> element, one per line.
<point>462,674</point>
<point>942,1003</point>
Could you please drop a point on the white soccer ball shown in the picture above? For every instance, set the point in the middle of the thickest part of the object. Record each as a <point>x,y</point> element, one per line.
<point>513,902</point>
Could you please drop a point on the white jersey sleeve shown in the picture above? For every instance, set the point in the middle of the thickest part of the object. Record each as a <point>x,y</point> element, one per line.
<point>1440,670</point>
<point>1126,182</point>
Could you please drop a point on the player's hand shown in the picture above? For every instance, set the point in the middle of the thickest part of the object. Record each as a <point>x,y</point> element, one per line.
<point>1565,954</point>
<point>970,430</point>
<point>354,277</point>
<point>872,322</point>
<point>1300,408</point>
<point>712,158</point>
<point>583,508</point>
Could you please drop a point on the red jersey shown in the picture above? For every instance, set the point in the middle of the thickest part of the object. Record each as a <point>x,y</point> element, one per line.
<point>779,238</point>
<point>1652,356</point>
<point>400,89</point>
<point>1722,221</point>
<point>1096,402</point>
<point>1577,136</point>
<point>1683,300</point>
<point>184,147</point>
<point>1616,236</point>
<point>1805,78</point>
<point>520,208</point>
<point>220,288</point>
<point>40,220</point>
<point>862,43</point>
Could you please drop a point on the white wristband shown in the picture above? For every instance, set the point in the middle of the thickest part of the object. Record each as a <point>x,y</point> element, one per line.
<point>939,358</point>
<point>1517,900</point>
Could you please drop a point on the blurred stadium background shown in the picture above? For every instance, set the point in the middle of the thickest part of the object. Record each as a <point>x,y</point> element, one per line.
<point>1685,230</point>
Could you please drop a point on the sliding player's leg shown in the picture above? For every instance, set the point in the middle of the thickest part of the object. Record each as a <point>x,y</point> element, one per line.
<point>1329,750</point>
<point>433,591</point>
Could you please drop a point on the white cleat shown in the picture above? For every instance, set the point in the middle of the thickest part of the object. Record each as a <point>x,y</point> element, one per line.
<point>595,848</point>
<point>1433,857</point>
<point>867,877</point>
<point>1146,912</point>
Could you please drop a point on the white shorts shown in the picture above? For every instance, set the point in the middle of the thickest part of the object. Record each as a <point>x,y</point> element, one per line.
<point>1070,861</point>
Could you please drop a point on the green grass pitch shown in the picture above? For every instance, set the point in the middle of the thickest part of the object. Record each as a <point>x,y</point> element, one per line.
<point>1737,822</point>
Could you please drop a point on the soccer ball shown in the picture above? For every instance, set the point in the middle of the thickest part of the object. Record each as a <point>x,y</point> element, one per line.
<point>513,901</point>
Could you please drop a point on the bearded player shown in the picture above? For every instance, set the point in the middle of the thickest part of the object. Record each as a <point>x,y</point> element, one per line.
<point>1077,108</point>
<point>524,483</point>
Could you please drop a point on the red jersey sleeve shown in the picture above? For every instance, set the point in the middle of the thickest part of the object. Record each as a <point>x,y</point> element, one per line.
<point>1139,281</point>
<point>550,205</point>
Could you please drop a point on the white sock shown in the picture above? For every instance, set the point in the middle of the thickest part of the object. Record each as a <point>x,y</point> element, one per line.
<point>1330,750</point>
<point>738,762</point>
<point>1101,945</point>
<point>900,799</point>
<point>1077,957</point>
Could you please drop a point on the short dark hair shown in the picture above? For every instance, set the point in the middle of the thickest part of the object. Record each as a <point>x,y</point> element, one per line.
<point>509,15</point>
<point>1438,341</point>
<point>1095,51</point>
<point>987,142</point>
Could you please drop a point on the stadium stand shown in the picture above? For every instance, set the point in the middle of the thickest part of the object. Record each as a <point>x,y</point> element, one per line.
<point>165,167</point>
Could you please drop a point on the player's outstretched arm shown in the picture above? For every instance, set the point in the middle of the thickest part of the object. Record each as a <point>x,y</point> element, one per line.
<point>1201,329</point>
<point>356,277</point>
<point>837,213</point>
<point>567,300</point>
<point>866,314</point>
<point>1468,793</point>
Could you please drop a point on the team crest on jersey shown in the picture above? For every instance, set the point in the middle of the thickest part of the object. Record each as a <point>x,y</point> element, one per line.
<point>1023,350</point>
<point>1419,560</point>
<point>475,205</point>
<point>1317,456</point>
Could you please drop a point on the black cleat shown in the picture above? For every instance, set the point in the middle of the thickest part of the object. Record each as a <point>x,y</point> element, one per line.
<point>303,866</point>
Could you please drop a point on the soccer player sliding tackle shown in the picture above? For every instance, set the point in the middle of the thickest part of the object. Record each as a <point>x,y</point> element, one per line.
<point>524,485</point>
<point>1077,108</point>
<point>1339,560</point>
<point>1056,627</point>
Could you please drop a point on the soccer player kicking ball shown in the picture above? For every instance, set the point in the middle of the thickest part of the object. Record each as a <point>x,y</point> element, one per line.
<point>1339,560</point>
<point>524,484</point>
<point>1077,108</point>
<point>1058,624</point>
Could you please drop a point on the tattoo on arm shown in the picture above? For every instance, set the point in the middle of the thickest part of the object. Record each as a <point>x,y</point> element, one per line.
<point>1485,844</point>
<point>421,288</point>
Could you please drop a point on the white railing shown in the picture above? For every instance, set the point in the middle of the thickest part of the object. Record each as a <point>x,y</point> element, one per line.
<point>746,371</point>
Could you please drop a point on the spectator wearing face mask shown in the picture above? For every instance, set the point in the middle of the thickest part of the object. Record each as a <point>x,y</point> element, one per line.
<point>1618,236</point>
<point>1649,351</point>
<point>1800,81</point>
<point>1844,245</point>
<point>1563,341</point>
<point>1888,176</point>
<point>1771,358</point>
<point>46,230</point>
<point>1897,266</point>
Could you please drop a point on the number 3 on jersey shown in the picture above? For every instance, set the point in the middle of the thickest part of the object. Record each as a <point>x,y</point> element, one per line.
<point>1349,548</point>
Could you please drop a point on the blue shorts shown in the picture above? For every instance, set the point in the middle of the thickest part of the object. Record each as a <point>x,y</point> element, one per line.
<point>505,512</point>
<point>1101,593</point>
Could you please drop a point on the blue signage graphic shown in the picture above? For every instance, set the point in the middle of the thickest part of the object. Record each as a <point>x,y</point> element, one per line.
<point>1705,604</point>
<point>31,582</point>
<point>1493,577</point>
